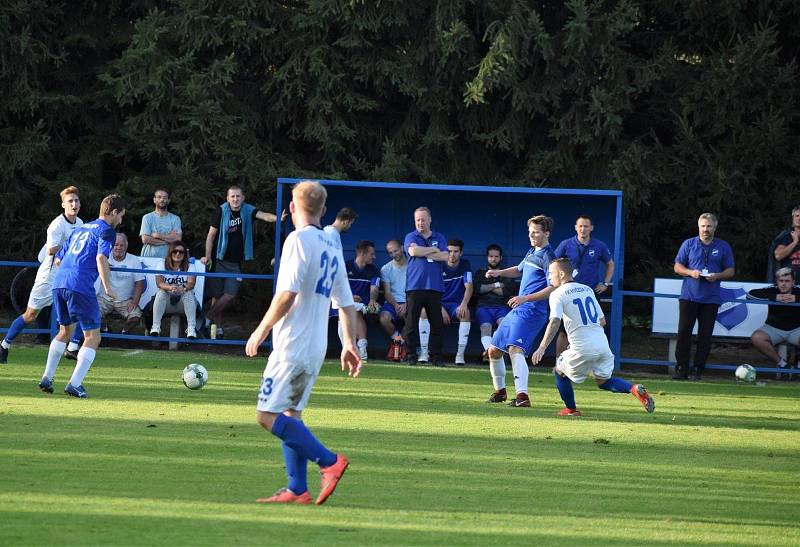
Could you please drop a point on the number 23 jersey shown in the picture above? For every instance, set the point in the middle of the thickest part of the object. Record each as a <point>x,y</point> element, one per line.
<point>312,266</point>
<point>577,306</point>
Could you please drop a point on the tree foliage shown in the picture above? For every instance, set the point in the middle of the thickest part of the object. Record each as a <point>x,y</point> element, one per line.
<point>685,105</point>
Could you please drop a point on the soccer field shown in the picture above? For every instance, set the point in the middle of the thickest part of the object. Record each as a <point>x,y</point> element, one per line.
<point>145,461</point>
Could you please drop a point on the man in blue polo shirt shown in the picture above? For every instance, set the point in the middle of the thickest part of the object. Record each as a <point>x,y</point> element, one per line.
<point>83,258</point>
<point>427,251</point>
<point>703,262</point>
<point>586,255</point>
<point>364,278</point>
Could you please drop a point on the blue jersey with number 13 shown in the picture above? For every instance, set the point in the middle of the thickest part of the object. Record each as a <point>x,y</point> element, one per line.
<point>78,270</point>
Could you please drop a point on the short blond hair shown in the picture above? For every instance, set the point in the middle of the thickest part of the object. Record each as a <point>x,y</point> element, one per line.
<point>310,196</point>
<point>544,221</point>
<point>69,190</point>
<point>564,264</point>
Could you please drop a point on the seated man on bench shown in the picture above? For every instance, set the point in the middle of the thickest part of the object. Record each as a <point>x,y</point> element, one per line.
<point>783,322</point>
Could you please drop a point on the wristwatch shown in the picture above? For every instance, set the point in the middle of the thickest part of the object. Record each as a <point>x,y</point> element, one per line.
<point>603,283</point>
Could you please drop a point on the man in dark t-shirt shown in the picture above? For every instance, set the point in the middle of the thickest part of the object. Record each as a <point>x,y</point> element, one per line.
<point>229,243</point>
<point>783,322</point>
<point>787,245</point>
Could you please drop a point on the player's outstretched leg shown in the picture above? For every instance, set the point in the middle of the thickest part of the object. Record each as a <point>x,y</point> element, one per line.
<point>296,474</point>
<point>643,397</point>
<point>16,327</point>
<point>564,386</point>
<point>519,366</point>
<point>497,368</point>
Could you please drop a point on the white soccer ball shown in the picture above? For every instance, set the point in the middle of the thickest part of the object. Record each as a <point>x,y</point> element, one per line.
<point>195,376</point>
<point>745,373</point>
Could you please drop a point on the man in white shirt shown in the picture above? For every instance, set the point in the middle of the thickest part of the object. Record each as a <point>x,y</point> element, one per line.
<point>588,350</point>
<point>41,295</point>
<point>311,273</point>
<point>127,286</point>
<point>159,227</point>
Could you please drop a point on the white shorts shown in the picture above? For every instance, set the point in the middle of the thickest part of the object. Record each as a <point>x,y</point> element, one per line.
<point>577,366</point>
<point>285,387</point>
<point>778,336</point>
<point>41,295</point>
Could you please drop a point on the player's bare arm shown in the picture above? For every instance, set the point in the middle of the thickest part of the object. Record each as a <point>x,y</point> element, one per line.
<point>280,306</point>
<point>543,294</point>
<point>351,361</point>
<point>266,217</point>
<point>212,233</point>
<point>104,271</point>
<point>511,272</point>
<point>549,333</point>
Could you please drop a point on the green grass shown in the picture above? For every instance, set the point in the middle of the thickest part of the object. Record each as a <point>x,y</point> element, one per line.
<point>146,461</point>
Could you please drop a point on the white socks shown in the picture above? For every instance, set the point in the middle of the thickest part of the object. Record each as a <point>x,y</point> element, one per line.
<point>424,335</point>
<point>5,344</point>
<point>486,341</point>
<point>85,360</point>
<point>498,369</point>
<point>520,368</point>
<point>53,357</point>
<point>463,333</point>
<point>362,348</point>
<point>73,346</point>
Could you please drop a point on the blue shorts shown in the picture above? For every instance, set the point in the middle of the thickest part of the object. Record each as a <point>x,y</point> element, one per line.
<point>451,309</point>
<point>388,308</point>
<point>74,307</point>
<point>522,327</point>
<point>491,315</point>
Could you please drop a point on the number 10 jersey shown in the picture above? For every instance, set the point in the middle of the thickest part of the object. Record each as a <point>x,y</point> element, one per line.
<point>311,266</point>
<point>577,306</point>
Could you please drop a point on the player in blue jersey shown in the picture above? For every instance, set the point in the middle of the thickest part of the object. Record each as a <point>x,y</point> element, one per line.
<point>365,279</point>
<point>82,259</point>
<point>457,292</point>
<point>520,328</point>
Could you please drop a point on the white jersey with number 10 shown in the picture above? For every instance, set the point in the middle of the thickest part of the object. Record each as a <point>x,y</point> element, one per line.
<point>312,266</point>
<point>577,306</point>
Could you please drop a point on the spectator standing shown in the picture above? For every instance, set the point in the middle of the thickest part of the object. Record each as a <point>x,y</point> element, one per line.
<point>127,286</point>
<point>703,262</point>
<point>393,278</point>
<point>493,295</point>
<point>159,227</point>
<point>58,231</point>
<point>783,322</point>
<point>424,283</point>
<point>521,327</point>
<point>229,243</point>
<point>586,255</point>
<point>457,294</point>
<point>787,245</point>
<point>175,290</point>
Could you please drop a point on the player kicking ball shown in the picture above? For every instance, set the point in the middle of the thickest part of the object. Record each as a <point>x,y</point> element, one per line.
<point>588,347</point>
<point>311,271</point>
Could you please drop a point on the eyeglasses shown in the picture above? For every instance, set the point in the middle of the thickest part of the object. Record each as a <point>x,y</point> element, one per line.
<point>178,252</point>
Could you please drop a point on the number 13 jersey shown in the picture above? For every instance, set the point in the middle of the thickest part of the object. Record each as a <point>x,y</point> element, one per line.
<point>577,306</point>
<point>311,266</point>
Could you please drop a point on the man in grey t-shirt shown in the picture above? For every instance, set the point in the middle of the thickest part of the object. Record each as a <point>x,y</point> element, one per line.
<point>159,227</point>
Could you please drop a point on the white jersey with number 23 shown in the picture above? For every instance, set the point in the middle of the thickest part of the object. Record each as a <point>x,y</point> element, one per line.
<point>312,266</point>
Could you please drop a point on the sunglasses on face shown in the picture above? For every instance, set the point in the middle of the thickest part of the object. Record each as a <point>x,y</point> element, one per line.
<point>178,252</point>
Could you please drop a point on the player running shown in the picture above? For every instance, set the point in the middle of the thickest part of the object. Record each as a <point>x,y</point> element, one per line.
<point>41,295</point>
<point>83,257</point>
<point>312,270</point>
<point>588,349</point>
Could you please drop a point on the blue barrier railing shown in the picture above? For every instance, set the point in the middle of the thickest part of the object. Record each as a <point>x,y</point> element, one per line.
<point>717,366</point>
<point>206,341</point>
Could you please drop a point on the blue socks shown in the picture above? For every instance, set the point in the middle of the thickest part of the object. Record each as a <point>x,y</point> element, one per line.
<point>564,386</point>
<point>15,328</point>
<point>616,385</point>
<point>296,469</point>
<point>297,437</point>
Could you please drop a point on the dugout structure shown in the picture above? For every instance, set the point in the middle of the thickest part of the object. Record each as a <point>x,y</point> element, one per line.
<point>478,215</point>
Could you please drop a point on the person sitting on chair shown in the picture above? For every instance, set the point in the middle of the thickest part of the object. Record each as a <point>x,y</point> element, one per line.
<point>175,291</point>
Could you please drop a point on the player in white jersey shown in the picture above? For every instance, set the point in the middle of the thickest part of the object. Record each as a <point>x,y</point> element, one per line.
<point>588,350</point>
<point>41,295</point>
<point>311,273</point>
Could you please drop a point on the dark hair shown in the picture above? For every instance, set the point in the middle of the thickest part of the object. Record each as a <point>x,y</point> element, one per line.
<point>494,247</point>
<point>563,264</point>
<point>363,246</point>
<point>399,243</point>
<point>541,220</point>
<point>587,217</point>
<point>169,264</point>
<point>456,243</point>
<point>112,202</point>
<point>157,190</point>
<point>345,214</point>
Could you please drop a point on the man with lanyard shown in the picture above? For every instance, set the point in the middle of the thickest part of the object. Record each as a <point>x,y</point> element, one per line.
<point>586,254</point>
<point>703,262</point>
